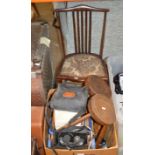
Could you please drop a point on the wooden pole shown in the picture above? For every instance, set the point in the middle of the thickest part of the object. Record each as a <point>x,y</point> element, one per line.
<point>101,136</point>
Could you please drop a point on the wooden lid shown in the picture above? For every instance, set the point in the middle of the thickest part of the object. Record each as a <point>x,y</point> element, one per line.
<point>101,109</point>
<point>97,85</point>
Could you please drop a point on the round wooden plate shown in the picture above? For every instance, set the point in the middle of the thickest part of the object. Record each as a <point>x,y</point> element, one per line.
<point>97,85</point>
<point>101,109</point>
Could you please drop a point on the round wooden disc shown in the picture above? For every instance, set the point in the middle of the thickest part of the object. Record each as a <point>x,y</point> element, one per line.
<point>97,85</point>
<point>101,109</point>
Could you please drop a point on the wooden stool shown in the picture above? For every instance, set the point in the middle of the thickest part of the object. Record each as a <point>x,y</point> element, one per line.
<point>97,85</point>
<point>102,111</point>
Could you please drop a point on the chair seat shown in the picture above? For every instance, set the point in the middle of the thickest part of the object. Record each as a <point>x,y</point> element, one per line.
<point>82,65</point>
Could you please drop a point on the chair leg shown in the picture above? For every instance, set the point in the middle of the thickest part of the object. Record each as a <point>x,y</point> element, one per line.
<point>101,136</point>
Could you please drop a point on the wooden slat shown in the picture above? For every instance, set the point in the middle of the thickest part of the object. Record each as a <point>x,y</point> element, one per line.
<point>63,46</point>
<point>74,29</point>
<point>78,33</point>
<point>86,29</point>
<point>82,40</point>
<point>90,29</point>
<point>82,8</point>
<point>103,35</point>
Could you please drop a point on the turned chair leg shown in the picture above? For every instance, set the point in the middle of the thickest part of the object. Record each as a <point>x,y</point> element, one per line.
<point>101,136</point>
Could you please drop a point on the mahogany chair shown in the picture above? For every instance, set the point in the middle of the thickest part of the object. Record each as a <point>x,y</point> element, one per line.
<point>82,62</point>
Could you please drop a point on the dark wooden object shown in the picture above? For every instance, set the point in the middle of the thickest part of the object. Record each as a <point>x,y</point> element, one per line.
<point>97,85</point>
<point>82,30</point>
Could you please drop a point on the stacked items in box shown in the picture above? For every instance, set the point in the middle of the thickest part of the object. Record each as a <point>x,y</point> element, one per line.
<point>81,117</point>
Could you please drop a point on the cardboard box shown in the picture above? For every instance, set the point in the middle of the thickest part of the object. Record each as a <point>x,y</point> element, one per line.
<point>37,117</point>
<point>111,139</point>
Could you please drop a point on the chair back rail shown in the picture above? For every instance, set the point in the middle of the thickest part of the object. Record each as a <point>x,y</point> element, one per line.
<point>82,27</point>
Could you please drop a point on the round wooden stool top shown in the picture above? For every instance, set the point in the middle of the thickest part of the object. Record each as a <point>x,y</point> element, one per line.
<point>97,85</point>
<point>101,109</point>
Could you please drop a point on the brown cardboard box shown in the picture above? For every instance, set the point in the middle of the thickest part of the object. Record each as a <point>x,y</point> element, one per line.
<point>37,117</point>
<point>111,139</point>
